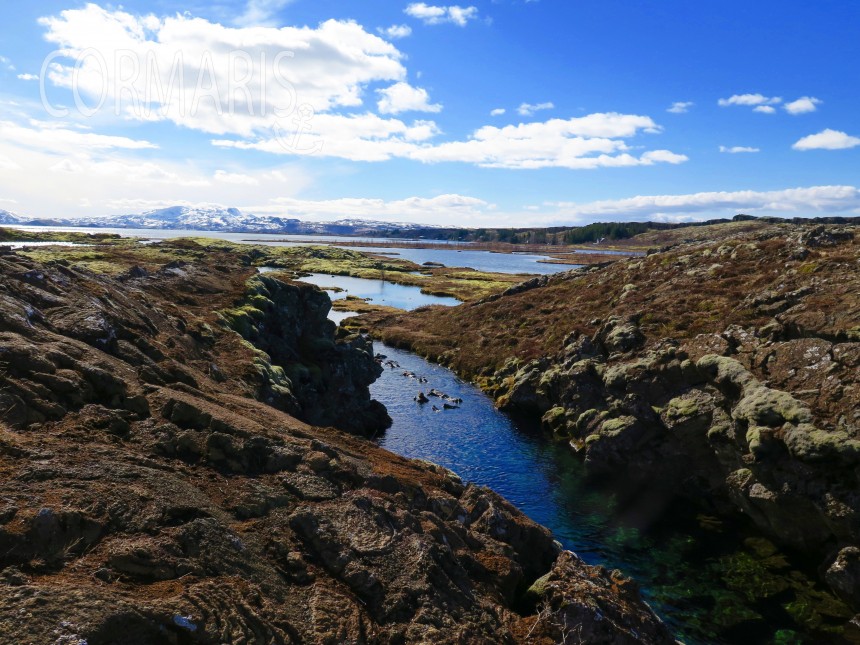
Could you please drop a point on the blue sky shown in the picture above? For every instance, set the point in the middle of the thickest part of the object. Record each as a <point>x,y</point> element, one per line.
<point>505,112</point>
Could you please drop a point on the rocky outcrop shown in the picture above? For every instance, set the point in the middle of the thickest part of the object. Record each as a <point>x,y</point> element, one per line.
<point>155,490</point>
<point>306,371</point>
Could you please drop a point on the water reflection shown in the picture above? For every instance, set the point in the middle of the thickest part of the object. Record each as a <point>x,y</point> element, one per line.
<point>379,292</point>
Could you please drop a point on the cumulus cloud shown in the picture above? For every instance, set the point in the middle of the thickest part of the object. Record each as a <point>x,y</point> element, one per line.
<point>789,202</point>
<point>402,97</point>
<point>85,170</point>
<point>209,77</point>
<point>803,105</point>
<point>592,141</point>
<point>436,15</point>
<point>765,109</point>
<point>680,107</point>
<point>827,140</point>
<point>28,77</point>
<point>235,178</point>
<point>528,109</point>
<point>749,100</point>
<point>733,150</point>
<point>395,32</point>
<point>497,112</point>
<point>57,137</point>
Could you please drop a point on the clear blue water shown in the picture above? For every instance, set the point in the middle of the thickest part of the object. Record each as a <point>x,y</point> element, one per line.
<point>483,445</point>
<point>479,260</point>
<point>379,292</point>
<point>697,575</point>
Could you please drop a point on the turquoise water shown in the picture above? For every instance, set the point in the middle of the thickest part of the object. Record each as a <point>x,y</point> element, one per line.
<point>712,581</point>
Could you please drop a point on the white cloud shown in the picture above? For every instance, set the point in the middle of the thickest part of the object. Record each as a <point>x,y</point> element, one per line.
<point>28,77</point>
<point>395,32</point>
<point>58,138</point>
<point>8,164</point>
<point>452,209</point>
<point>105,175</point>
<point>789,202</point>
<point>680,107</point>
<point>435,15</point>
<point>592,141</point>
<point>260,12</point>
<point>733,150</point>
<point>827,140</point>
<point>461,210</point>
<point>235,178</point>
<point>67,165</point>
<point>7,63</point>
<point>258,82</point>
<point>402,97</point>
<point>333,67</point>
<point>497,112</point>
<point>358,137</point>
<point>803,105</point>
<point>765,109</point>
<point>749,100</point>
<point>528,109</point>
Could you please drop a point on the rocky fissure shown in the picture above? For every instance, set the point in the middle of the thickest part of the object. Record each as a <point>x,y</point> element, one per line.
<point>724,371</point>
<point>157,487</point>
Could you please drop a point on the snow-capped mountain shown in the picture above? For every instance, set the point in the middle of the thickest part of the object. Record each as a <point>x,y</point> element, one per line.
<point>7,217</point>
<point>197,218</point>
<point>217,218</point>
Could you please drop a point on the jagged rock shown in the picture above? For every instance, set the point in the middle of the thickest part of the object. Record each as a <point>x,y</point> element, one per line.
<point>620,334</point>
<point>843,576</point>
<point>304,370</point>
<point>716,378</point>
<point>145,501</point>
<point>560,620</point>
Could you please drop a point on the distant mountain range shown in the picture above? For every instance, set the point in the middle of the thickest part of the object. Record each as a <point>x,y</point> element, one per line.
<point>230,220</point>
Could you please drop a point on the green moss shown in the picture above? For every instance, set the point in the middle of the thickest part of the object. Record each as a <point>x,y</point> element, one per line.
<point>682,407</point>
<point>751,577</point>
<point>242,320</point>
<point>616,426</point>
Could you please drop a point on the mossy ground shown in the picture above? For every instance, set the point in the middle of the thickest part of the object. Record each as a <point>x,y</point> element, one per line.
<point>113,255</point>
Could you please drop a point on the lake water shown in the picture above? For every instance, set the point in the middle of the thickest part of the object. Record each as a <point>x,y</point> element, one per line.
<point>478,260</point>
<point>379,292</point>
<point>21,245</point>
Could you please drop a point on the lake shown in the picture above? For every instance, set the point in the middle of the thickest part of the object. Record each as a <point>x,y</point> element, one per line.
<point>478,260</point>
<point>379,292</point>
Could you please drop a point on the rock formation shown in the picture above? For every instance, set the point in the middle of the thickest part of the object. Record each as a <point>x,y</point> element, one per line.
<point>725,370</point>
<point>157,486</point>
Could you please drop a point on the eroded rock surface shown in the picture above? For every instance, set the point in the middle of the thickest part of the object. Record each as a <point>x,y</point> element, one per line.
<point>154,488</point>
<point>723,370</point>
